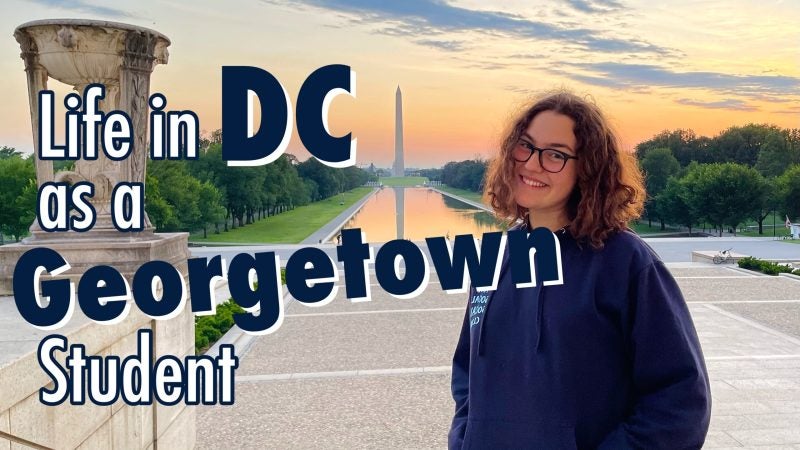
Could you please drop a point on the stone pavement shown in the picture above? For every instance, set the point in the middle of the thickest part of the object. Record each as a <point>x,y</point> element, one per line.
<point>672,249</point>
<point>376,374</point>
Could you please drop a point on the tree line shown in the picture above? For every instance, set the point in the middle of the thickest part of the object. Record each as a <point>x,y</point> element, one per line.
<point>193,195</point>
<point>744,173</point>
<point>460,174</point>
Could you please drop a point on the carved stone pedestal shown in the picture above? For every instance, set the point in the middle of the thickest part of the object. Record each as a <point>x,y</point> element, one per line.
<point>125,255</point>
<point>120,56</point>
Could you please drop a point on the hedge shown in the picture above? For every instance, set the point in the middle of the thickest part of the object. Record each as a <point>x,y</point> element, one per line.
<point>766,267</point>
<point>208,329</point>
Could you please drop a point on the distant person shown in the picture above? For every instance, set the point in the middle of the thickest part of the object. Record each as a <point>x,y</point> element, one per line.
<point>339,239</point>
<point>610,359</point>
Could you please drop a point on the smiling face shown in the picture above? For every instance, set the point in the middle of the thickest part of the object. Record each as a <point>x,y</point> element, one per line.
<point>543,193</point>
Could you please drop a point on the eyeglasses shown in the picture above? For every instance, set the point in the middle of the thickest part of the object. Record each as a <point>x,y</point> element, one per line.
<point>551,160</point>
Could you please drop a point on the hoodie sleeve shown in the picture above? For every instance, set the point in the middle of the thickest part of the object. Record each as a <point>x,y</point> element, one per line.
<point>459,386</point>
<point>672,397</point>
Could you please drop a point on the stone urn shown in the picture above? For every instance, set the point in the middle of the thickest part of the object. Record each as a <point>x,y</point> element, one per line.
<point>78,53</point>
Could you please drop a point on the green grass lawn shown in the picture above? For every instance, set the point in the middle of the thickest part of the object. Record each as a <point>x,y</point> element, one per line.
<point>643,228</point>
<point>289,227</point>
<point>402,181</point>
<point>779,231</point>
<point>469,195</point>
<point>752,228</point>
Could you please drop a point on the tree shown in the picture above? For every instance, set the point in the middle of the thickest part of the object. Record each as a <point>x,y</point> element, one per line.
<point>161,213</point>
<point>431,174</point>
<point>684,145</point>
<point>742,144</point>
<point>725,194</point>
<point>25,204</point>
<point>212,168</point>
<point>768,203</point>
<point>181,191</point>
<point>312,188</point>
<point>17,182</point>
<point>788,192</point>
<point>465,174</point>
<point>775,155</point>
<point>658,165</point>
<point>241,188</point>
<point>207,140</point>
<point>9,152</point>
<point>209,203</point>
<point>674,205</point>
<point>325,177</point>
<point>354,177</point>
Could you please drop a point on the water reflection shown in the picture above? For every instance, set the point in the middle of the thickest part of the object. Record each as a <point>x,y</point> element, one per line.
<point>399,211</point>
<point>417,213</point>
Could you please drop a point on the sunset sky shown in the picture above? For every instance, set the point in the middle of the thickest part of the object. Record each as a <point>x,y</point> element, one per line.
<point>463,66</point>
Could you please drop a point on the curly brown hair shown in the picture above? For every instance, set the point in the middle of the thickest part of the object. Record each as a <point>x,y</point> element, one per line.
<point>609,192</point>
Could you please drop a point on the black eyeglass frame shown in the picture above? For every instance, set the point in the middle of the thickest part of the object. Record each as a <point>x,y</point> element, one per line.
<point>532,148</point>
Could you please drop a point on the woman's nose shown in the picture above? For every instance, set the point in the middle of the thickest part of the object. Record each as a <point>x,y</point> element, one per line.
<point>533,162</point>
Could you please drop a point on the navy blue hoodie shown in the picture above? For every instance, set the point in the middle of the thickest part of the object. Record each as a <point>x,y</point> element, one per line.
<point>610,359</point>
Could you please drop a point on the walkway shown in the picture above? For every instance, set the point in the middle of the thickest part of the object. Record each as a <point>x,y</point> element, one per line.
<point>478,205</point>
<point>671,250</point>
<point>376,374</point>
<point>680,249</point>
<point>327,231</point>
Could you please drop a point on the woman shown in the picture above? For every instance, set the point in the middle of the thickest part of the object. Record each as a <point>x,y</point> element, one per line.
<point>610,358</point>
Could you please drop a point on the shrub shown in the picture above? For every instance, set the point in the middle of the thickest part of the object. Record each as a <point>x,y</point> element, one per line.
<point>208,329</point>
<point>750,263</point>
<point>766,267</point>
<point>769,270</point>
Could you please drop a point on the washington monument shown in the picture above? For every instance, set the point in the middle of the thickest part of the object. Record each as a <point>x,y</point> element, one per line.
<point>398,169</point>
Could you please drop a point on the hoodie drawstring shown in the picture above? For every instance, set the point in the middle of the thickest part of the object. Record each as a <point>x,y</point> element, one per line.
<point>539,314</point>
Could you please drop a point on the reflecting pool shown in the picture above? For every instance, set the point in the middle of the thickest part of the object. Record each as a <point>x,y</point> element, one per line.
<point>417,213</point>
